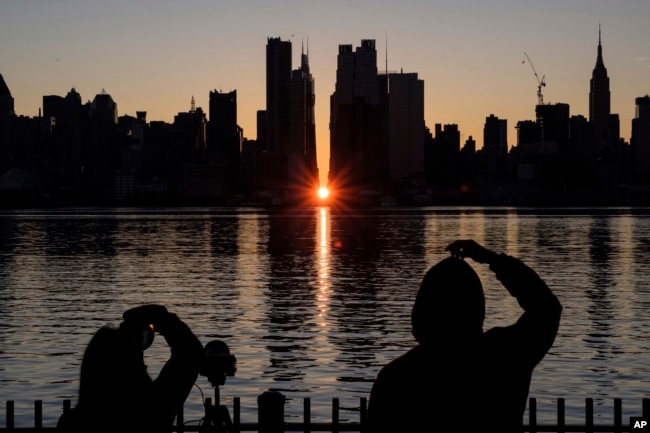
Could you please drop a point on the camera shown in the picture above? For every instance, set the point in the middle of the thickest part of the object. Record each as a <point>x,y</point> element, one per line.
<point>217,362</point>
<point>143,332</point>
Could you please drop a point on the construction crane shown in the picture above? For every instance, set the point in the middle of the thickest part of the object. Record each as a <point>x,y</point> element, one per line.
<point>540,83</point>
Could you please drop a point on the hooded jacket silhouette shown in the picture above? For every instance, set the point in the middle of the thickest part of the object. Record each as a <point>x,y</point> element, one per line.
<point>458,377</point>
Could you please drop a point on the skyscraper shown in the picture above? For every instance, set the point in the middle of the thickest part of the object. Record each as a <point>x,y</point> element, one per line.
<point>606,129</point>
<point>278,79</point>
<point>355,127</point>
<point>6,100</point>
<point>641,139</point>
<point>599,101</point>
<point>286,164</point>
<point>67,152</point>
<point>223,142</point>
<point>445,156</point>
<point>100,152</point>
<point>6,115</point>
<point>224,137</point>
<point>271,161</point>
<point>302,166</point>
<point>406,128</point>
<point>553,120</point>
<point>495,142</point>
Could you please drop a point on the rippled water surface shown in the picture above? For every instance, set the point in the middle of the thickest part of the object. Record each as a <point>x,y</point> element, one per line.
<point>314,302</point>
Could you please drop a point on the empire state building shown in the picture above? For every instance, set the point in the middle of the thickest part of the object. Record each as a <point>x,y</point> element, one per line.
<point>605,125</point>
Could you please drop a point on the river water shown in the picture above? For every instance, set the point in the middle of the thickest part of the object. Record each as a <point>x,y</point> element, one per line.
<point>313,302</point>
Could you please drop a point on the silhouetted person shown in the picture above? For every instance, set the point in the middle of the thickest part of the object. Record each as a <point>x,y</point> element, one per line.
<point>458,377</point>
<point>115,391</point>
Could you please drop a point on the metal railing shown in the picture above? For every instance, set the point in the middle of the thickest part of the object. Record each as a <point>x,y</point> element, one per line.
<point>271,418</point>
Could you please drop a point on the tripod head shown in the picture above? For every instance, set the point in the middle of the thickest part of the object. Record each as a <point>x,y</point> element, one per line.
<point>217,363</point>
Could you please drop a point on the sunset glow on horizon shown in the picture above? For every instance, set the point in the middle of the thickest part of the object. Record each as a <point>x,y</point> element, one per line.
<point>158,56</point>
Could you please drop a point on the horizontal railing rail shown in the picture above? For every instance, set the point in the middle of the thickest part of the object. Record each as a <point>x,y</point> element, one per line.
<point>271,418</point>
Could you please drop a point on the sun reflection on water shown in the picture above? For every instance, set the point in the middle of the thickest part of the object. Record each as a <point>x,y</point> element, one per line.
<point>324,289</point>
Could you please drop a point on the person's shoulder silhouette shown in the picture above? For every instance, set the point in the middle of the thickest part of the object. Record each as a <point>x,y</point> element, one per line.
<point>459,376</point>
<point>115,390</point>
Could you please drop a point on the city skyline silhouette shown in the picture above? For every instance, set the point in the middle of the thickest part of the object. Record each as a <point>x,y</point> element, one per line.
<point>381,150</point>
<point>468,55</point>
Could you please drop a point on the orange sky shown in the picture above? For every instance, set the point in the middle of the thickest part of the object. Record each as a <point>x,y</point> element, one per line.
<point>156,55</point>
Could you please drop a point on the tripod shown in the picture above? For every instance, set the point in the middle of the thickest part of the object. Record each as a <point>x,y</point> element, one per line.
<point>217,364</point>
<point>217,418</point>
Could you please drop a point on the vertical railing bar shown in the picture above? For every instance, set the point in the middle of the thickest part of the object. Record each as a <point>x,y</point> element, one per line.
<point>363,413</point>
<point>589,415</point>
<point>645,408</point>
<point>335,415</point>
<point>10,414</point>
<point>236,414</point>
<point>532,414</point>
<point>560,415</point>
<point>306,404</point>
<point>618,415</point>
<point>38,414</point>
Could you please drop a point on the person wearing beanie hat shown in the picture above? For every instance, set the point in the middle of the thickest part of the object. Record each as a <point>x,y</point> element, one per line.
<point>458,376</point>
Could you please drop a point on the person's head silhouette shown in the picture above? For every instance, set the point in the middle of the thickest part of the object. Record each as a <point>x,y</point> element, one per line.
<point>114,386</point>
<point>450,304</point>
<point>112,366</point>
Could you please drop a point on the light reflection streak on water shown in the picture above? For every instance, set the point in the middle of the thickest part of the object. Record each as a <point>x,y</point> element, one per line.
<point>323,296</point>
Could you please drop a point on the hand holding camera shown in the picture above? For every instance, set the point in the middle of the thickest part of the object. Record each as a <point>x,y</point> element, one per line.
<point>216,361</point>
<point>472,249</point>
<point>146,319</point>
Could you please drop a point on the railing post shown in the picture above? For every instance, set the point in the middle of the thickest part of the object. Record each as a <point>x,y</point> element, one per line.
<point>270,412</point>
<point>363,413</point>
<point>306,408</point>
<point>236,414</point>
<point>589,415</point>
<point>38,414</point>
<point>560,415</point>
<point>618,415</point>
<point>335,415</point>
<point>532,414</point>
<point>10,415</point>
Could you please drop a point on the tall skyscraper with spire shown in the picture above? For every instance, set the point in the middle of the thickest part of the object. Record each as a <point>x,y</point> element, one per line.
<point>288,164</point>
<point>599,97</point>
<point>302,167</point>
<point>606,129</point>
